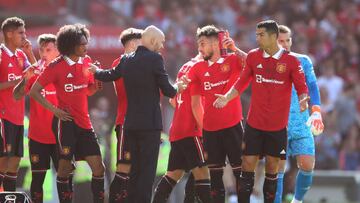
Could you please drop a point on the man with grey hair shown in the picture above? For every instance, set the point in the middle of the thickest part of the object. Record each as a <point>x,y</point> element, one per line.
<point>144,75</point>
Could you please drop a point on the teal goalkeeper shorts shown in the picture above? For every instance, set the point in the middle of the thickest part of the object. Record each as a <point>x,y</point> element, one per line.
<point>301,146</point>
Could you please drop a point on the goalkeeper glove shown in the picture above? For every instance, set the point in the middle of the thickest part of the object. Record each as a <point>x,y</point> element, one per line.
<point>315,121</point>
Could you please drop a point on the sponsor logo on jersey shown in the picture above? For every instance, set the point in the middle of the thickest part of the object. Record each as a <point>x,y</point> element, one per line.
<point>261,79</point>
<point>209,85</point>
<point>12,77</point>
<point>72,87</point>
<point>44,92</point>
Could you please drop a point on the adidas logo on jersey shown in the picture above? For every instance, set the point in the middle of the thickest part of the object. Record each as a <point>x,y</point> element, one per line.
<point>283,151</point>
<point>259,66</point>
<point>69,75</point>
<point>207,74</point>
<point>10,65</point>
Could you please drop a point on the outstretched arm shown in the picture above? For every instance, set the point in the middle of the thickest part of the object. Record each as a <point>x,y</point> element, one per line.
<point>241,84</point>
<point>106,75</point>
<point>222,100</point>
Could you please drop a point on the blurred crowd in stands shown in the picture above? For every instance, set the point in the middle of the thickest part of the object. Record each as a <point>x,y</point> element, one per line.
<point>326,30</point>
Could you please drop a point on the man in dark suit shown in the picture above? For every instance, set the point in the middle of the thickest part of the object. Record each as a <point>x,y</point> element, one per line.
<point>144,76</point>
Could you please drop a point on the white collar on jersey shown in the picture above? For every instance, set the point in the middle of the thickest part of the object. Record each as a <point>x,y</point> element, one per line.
<point>71,62</point>
<point>276,56</point>
<point>219,61</point>
<point>7,50</point>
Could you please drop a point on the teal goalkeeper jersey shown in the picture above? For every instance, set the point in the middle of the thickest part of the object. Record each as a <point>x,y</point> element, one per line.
<point>297,120</point>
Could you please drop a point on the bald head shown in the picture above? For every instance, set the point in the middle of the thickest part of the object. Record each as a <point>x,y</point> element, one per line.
<point>153,38</point>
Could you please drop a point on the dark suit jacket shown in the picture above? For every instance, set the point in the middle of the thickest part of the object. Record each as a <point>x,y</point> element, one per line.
<point>144,76</point>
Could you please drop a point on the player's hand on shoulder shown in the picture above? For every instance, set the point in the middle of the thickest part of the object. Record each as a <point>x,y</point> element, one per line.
<point>93,67</point>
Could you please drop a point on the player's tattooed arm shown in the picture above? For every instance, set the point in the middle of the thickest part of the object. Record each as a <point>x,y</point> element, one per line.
<point>223,100</point>
<point>230,44</point>
<point>19,89</point>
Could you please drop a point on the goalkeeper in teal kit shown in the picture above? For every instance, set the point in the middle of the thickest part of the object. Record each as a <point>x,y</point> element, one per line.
<point>301,127</point>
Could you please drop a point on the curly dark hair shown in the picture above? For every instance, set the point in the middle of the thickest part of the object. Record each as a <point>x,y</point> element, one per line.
<point>207,31</point>
<point>12,23</point>
<point>69,37</point>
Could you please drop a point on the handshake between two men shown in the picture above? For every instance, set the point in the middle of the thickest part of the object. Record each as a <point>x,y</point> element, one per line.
<point>180,84</point>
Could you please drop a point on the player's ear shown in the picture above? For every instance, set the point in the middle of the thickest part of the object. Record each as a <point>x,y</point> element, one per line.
<point>8,34</point>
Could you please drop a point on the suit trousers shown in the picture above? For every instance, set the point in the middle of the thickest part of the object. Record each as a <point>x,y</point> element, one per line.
<point>144,155</point>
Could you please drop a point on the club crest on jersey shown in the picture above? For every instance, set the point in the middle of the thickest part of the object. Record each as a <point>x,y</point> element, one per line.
<point>20,62</point>
<point>225,68</point>
<point>66,150</point>
<point>280,67</point>
<point>35,158</point>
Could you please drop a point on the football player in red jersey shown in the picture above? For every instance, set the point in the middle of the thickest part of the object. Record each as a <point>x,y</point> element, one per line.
<point>71,124</point>
<point>13,62</point>
<point>187,152</point>
<point>272,71</point>
<point>42,143</point>
<point>222,128</point>
<point>130,39</point>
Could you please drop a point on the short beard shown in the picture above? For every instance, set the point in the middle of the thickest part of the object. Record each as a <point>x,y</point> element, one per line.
<point>206,58</point>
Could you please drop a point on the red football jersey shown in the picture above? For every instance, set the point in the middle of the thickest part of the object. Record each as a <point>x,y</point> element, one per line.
<point>271,80</point>
<point>184,124</point>
<point>71,80</point>
<point>40,121</point>
<point>218,78</point>
<point>121,95</point>
<point>11,67</point>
